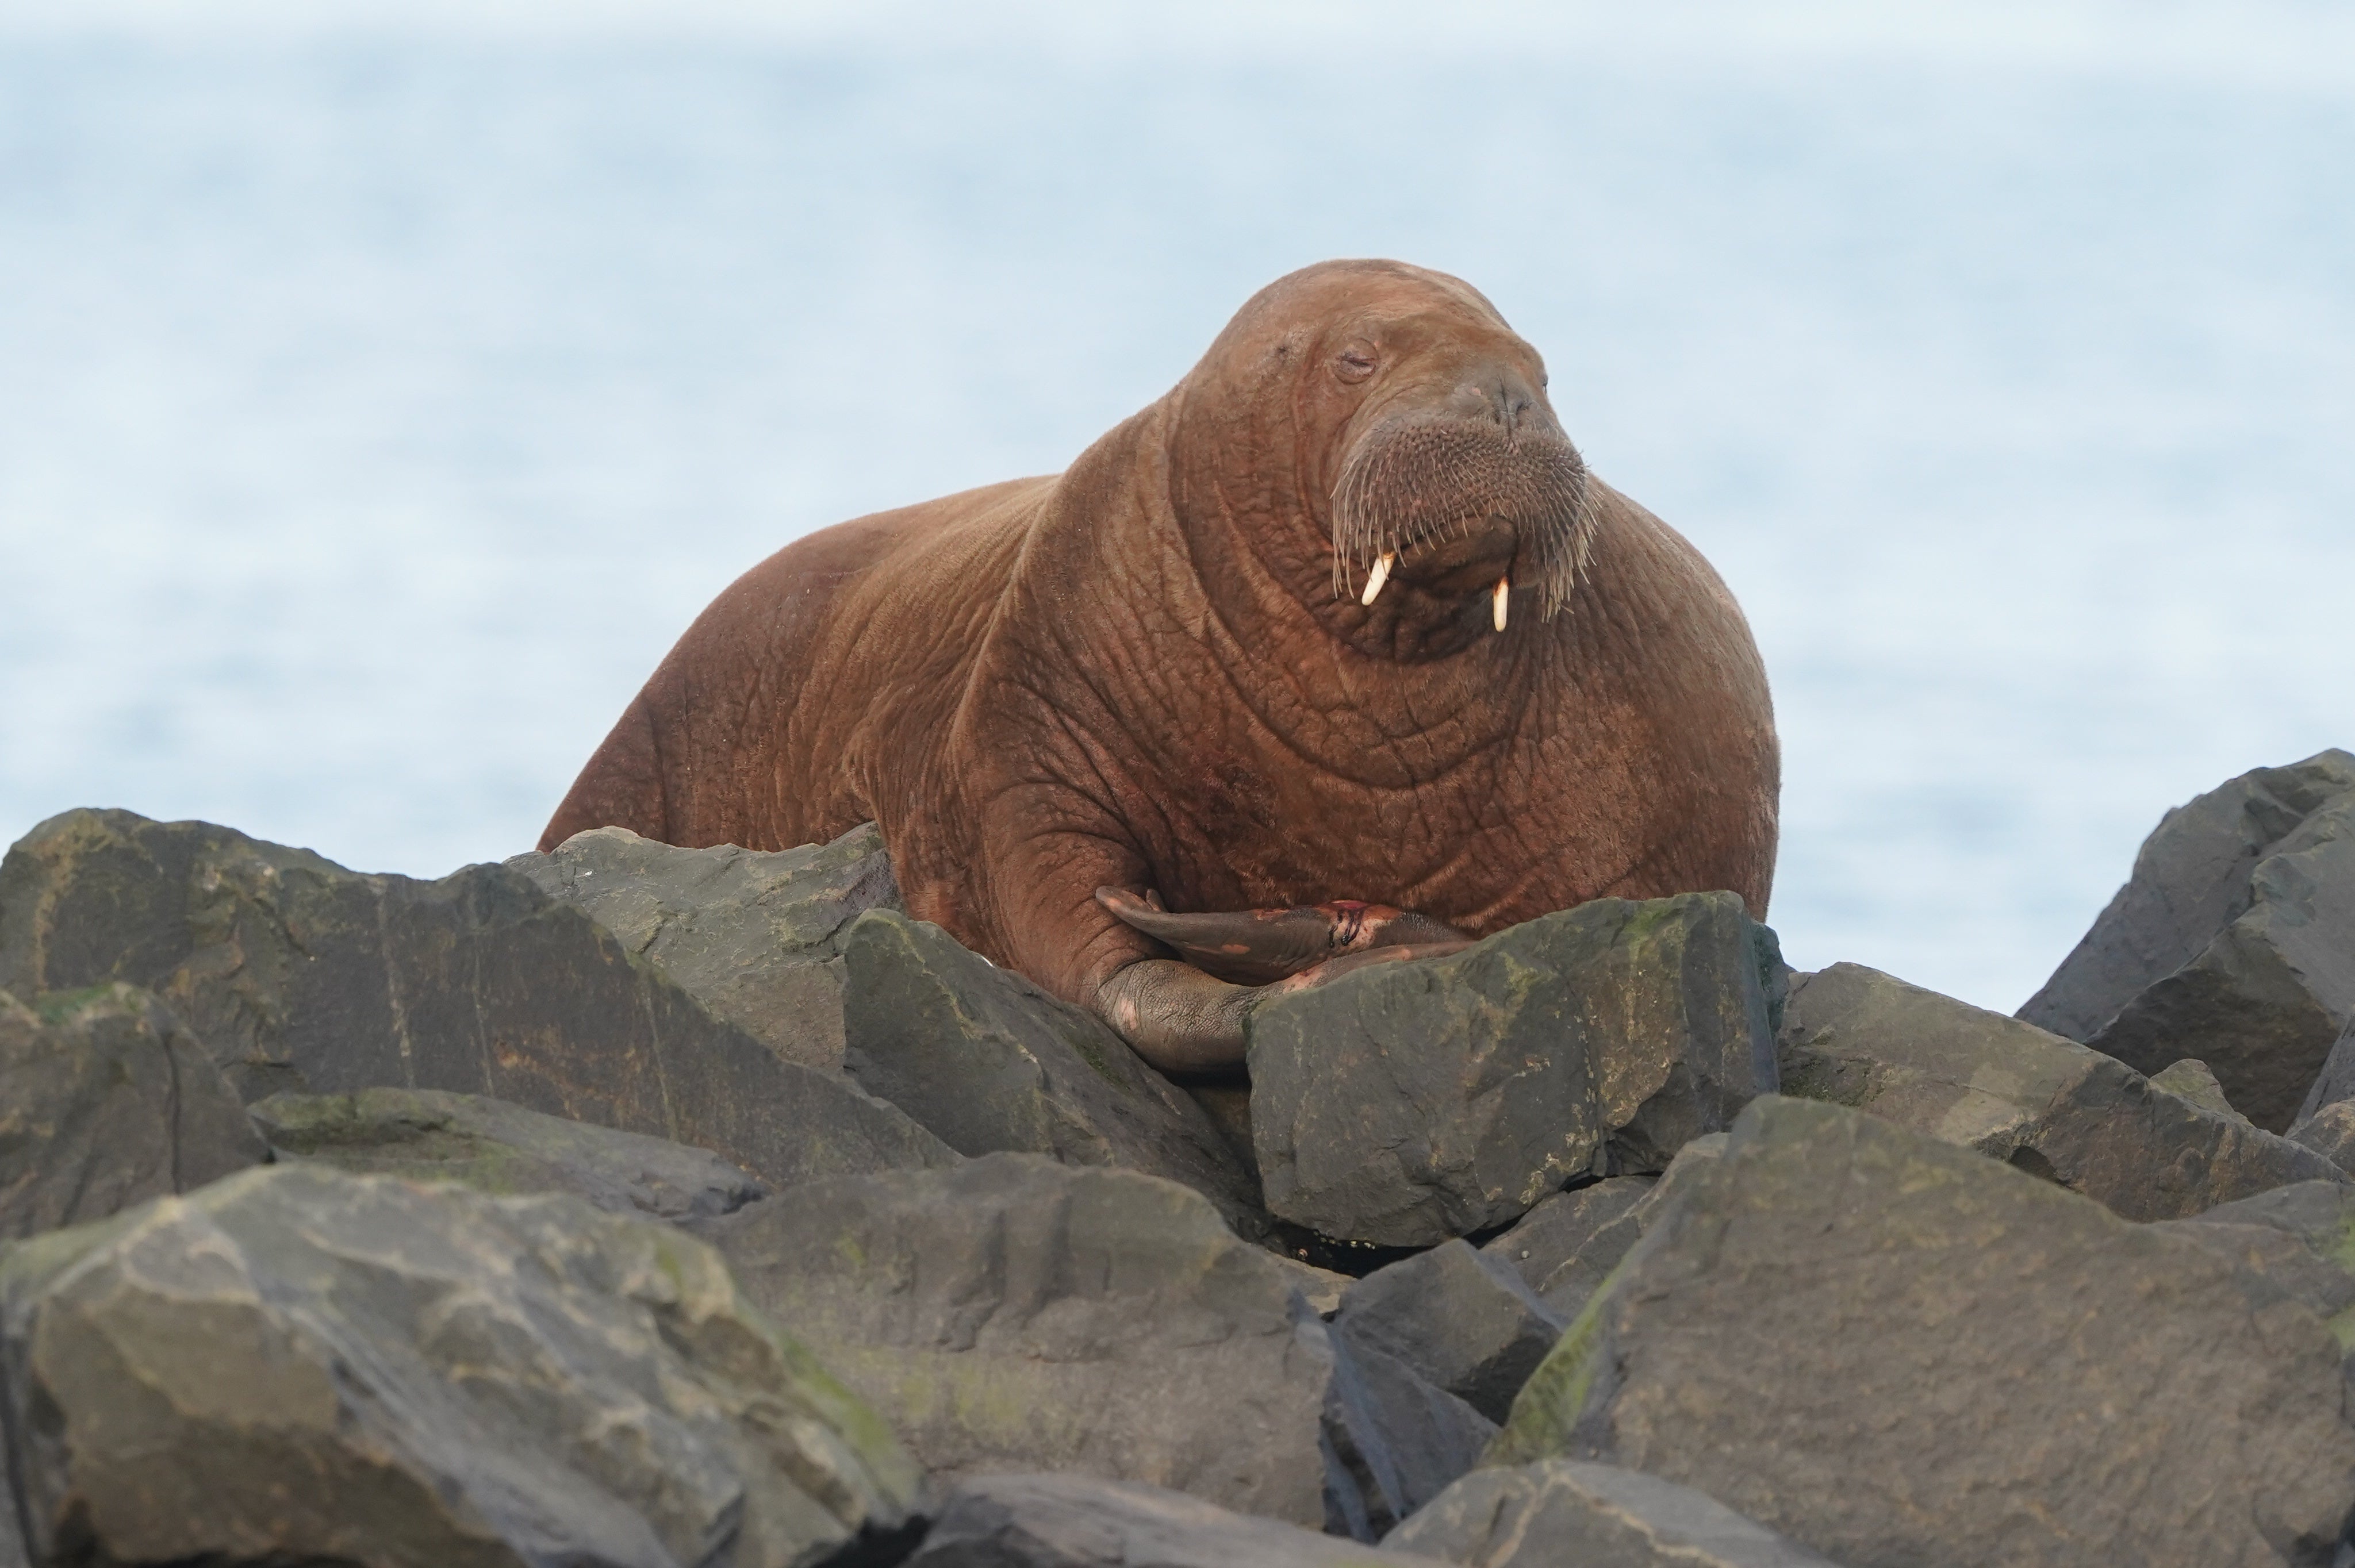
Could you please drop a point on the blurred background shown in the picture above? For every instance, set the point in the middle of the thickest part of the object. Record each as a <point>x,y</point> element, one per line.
<point>383,388</point>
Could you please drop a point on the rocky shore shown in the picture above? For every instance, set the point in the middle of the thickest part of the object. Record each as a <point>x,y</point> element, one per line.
<point>634,1205</point>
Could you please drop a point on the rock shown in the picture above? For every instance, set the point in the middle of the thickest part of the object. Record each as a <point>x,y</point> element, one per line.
<point>2234,940</point>
<point>1407,1104</point>
<point>1460,1320</point>
<point>754,937</point>
<point>1079,1521</point>
<point>1568,1244</point>
<point>2329,1132</point>
<point>2057,1110</point>
<point>2190,1079</point>
<point>1015,1314</point>
<point>1320,1288</point>
<point>1891,1350</point>
<point>1393,1440</point>
<point>1591,1516</point>
<point>991,1065</point>
<point>1702,1154</point>
<point>2300,1238</point>
<point>299,1365</point>
<point>2336,1082</point>
<point>493,1147</point>
<point>1228,1108</point>
<point>297,974</point>
<point>109,1102</point>
<point>12,1530</point>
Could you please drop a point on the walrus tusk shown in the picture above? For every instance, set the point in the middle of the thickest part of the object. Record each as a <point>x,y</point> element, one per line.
<point>1378,576</point>
<point>1504,586</point>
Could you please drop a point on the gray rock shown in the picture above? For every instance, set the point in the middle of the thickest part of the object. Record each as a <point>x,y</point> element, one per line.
<point>2235,940</point>
<point>1080,1522</point>
<point>1017,1314</point>
<point>2300,1238</point>
<point>2336,1082</point>
<point>297,974</point>
<point>1701,1155</point>
<point>12,1530</point>
<point>754,937</point>
<point>109,1103</point>
<point>1409,1103</point>
<point>296,1365</point>
<point>431,1135</point>
<point>1393,1440</point>
<point>2329,1132</point>
<point>1462,1319</point>
<point>992,1064</point>
<point>2190,1079</point>
<point>2057,1110</point>
<point>1893,1350</point>
<point>1228,1108</point>
<point>1560,1511</point>
<point>1321,1289</point>
<point>1569,1244</point>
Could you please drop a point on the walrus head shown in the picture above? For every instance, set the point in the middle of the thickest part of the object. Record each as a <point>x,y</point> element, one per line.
<point>1404,439</point>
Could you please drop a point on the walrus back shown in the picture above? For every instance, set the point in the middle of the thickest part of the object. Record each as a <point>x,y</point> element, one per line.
<point>719,747</point>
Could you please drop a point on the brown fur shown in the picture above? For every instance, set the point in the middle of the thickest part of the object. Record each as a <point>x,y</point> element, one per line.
<point>1138,674</point>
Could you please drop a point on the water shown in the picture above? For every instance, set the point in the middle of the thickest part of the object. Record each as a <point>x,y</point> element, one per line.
<point>377,406</point>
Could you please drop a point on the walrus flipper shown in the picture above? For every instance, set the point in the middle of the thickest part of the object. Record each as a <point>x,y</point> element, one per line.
<point>1188,1022</point>
<point>1188,1016</point>
<point>1259,947</point>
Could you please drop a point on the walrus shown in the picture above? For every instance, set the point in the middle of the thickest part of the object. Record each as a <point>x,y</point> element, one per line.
<point>1336,653</point>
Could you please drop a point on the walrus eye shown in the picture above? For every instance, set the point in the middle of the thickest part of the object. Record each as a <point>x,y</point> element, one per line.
<point>1353,365</point>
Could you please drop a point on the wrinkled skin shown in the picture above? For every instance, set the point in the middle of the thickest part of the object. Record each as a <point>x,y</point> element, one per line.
<point>1153,676</point>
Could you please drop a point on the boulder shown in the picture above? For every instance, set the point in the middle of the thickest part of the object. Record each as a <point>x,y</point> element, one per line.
<point>109,1103</point>
<point>1406,1104</point>
<point>2329,1132</point>
<point>429,1135</point>
<point>297,974</point>
<point>1891,1350</point>
<point>2300,1238</point>
<point>2190,1079</point>
<point>1014,1313</point>
<point>754,937</point>
<point>1855,1036</point>
<point>1393,1439</point>
<point>2235,940</point>
<point>1560,1511</point>
<point>993,1064</point>
<point>1018,1314</point>
<point>1080,1521</point>
<point>1701,1155</point>
<point>2335,1084</point>
<point>1462,1319</point>
<point>11,1530</point>
<point>296,1365</point>
<point>1568,1244</point>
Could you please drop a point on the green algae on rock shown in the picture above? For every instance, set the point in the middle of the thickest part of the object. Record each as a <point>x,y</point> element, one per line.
<point>1409,1103</point>
<point>991,1064</point>
<point>753,936</point>
<point>1893,1350</point>
<point>1559,1511</point>
<point>2011,1091</point>
<point>296,1364</point>
<point>1015,1314</point>
<point>108,1102</point>
<point>503,1150</point>
<point>298,974</point>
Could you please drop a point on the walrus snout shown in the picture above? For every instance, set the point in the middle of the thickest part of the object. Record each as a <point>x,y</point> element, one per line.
<point>1498,485</point>
<point>1501,395</point>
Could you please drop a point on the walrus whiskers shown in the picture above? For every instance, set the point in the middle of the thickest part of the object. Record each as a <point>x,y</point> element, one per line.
<point>1429,480</point>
